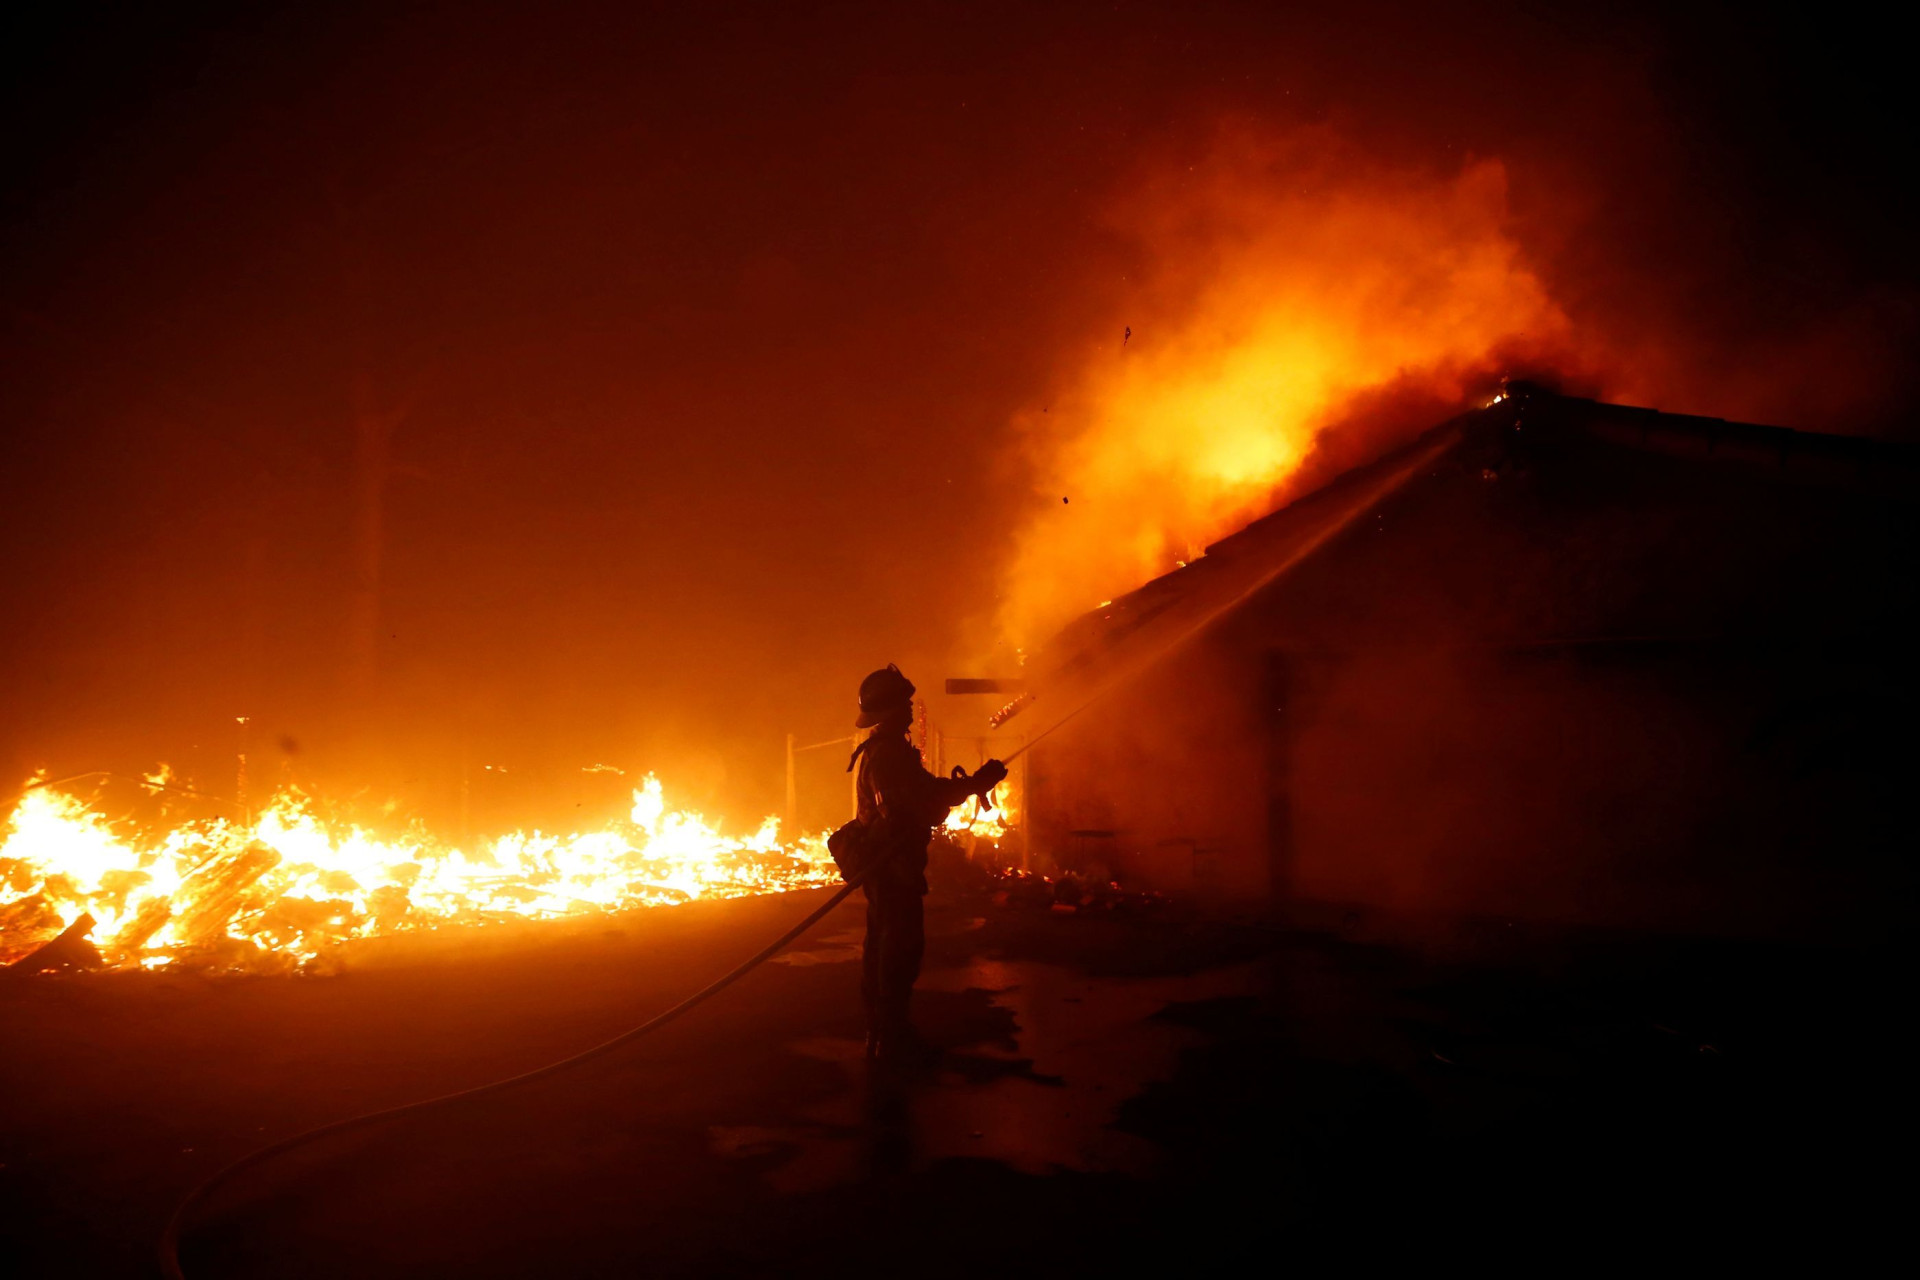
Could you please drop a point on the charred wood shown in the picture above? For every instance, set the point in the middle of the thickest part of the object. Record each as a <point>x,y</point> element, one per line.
<point>71,950</point>
<point>147,921</point>
<point>217,891</point>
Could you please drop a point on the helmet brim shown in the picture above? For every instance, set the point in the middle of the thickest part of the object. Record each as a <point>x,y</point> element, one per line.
<point>868,719</point>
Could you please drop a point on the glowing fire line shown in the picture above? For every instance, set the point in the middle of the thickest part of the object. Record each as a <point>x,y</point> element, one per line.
<point>277,893</point>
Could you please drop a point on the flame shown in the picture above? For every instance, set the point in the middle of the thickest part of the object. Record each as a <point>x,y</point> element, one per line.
<point>1285,281</point>
<point>287,887</point>
<point>992,825</point>
<point>282,891</point>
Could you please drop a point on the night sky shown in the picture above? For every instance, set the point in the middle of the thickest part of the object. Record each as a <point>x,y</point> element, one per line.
<point>711,342</point>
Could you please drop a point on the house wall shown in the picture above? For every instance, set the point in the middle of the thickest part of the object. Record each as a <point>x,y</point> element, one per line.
<point>1165,765</point>
<point>1591,686</point>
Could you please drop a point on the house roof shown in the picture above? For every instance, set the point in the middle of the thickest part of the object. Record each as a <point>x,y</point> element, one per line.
<point>1120,639</point>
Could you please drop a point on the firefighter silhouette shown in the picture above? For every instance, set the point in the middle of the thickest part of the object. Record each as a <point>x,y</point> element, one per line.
<point>900,804</point>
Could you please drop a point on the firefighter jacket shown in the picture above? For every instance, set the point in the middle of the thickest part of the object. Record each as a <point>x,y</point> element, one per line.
<point>900,805</point>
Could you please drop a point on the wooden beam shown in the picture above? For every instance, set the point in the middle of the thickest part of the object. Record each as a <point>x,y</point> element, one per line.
<point>71,950</point>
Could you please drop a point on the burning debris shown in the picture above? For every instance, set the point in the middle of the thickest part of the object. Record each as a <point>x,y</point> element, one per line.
<point>79,890</point>
<point>1073,893</point>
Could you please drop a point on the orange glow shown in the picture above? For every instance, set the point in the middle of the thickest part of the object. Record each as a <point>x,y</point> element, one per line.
<point>989,825</point>
<point>280,892</point>
<point>1285,280</point>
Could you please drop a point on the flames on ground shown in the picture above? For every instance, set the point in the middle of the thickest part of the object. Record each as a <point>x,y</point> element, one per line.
<point>281,890</point>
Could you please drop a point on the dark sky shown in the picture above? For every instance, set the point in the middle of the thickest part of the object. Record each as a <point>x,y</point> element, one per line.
<point>702,330</point>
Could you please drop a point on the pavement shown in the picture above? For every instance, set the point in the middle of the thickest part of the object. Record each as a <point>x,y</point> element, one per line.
<point>1106,1089</point>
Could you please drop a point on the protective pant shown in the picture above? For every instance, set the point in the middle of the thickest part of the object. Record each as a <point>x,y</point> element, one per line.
<point>890,964</point>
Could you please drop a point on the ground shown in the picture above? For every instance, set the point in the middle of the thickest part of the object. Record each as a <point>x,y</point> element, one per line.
<point>1110,1089</point>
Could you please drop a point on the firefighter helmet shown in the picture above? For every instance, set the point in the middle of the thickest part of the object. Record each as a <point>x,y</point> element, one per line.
<point>883,692</point>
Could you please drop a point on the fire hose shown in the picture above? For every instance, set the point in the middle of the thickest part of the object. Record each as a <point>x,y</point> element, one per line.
<point>168,1248</point>
<point>169,1245</point>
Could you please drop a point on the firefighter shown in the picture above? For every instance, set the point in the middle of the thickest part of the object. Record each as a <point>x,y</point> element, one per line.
<point>900,804</point>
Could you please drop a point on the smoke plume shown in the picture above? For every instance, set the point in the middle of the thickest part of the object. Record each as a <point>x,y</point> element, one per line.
<point>1285,284</point>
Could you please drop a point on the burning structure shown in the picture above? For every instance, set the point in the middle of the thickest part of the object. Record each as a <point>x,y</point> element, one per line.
<point>280,889</point>
<point>283,888</point>
<point>1555,660</point>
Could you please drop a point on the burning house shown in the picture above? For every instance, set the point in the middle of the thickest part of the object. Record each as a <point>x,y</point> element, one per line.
<point>1555,660</point>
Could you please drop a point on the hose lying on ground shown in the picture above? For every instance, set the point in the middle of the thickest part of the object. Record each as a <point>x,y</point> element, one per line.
<point>169,1245</point>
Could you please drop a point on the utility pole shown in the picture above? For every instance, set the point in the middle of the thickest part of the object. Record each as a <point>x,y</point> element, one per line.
<point>792,794</point>
<point>377,414</point>
<point>466,788</point>
<point>240,773</point>
<point>372,457</point>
